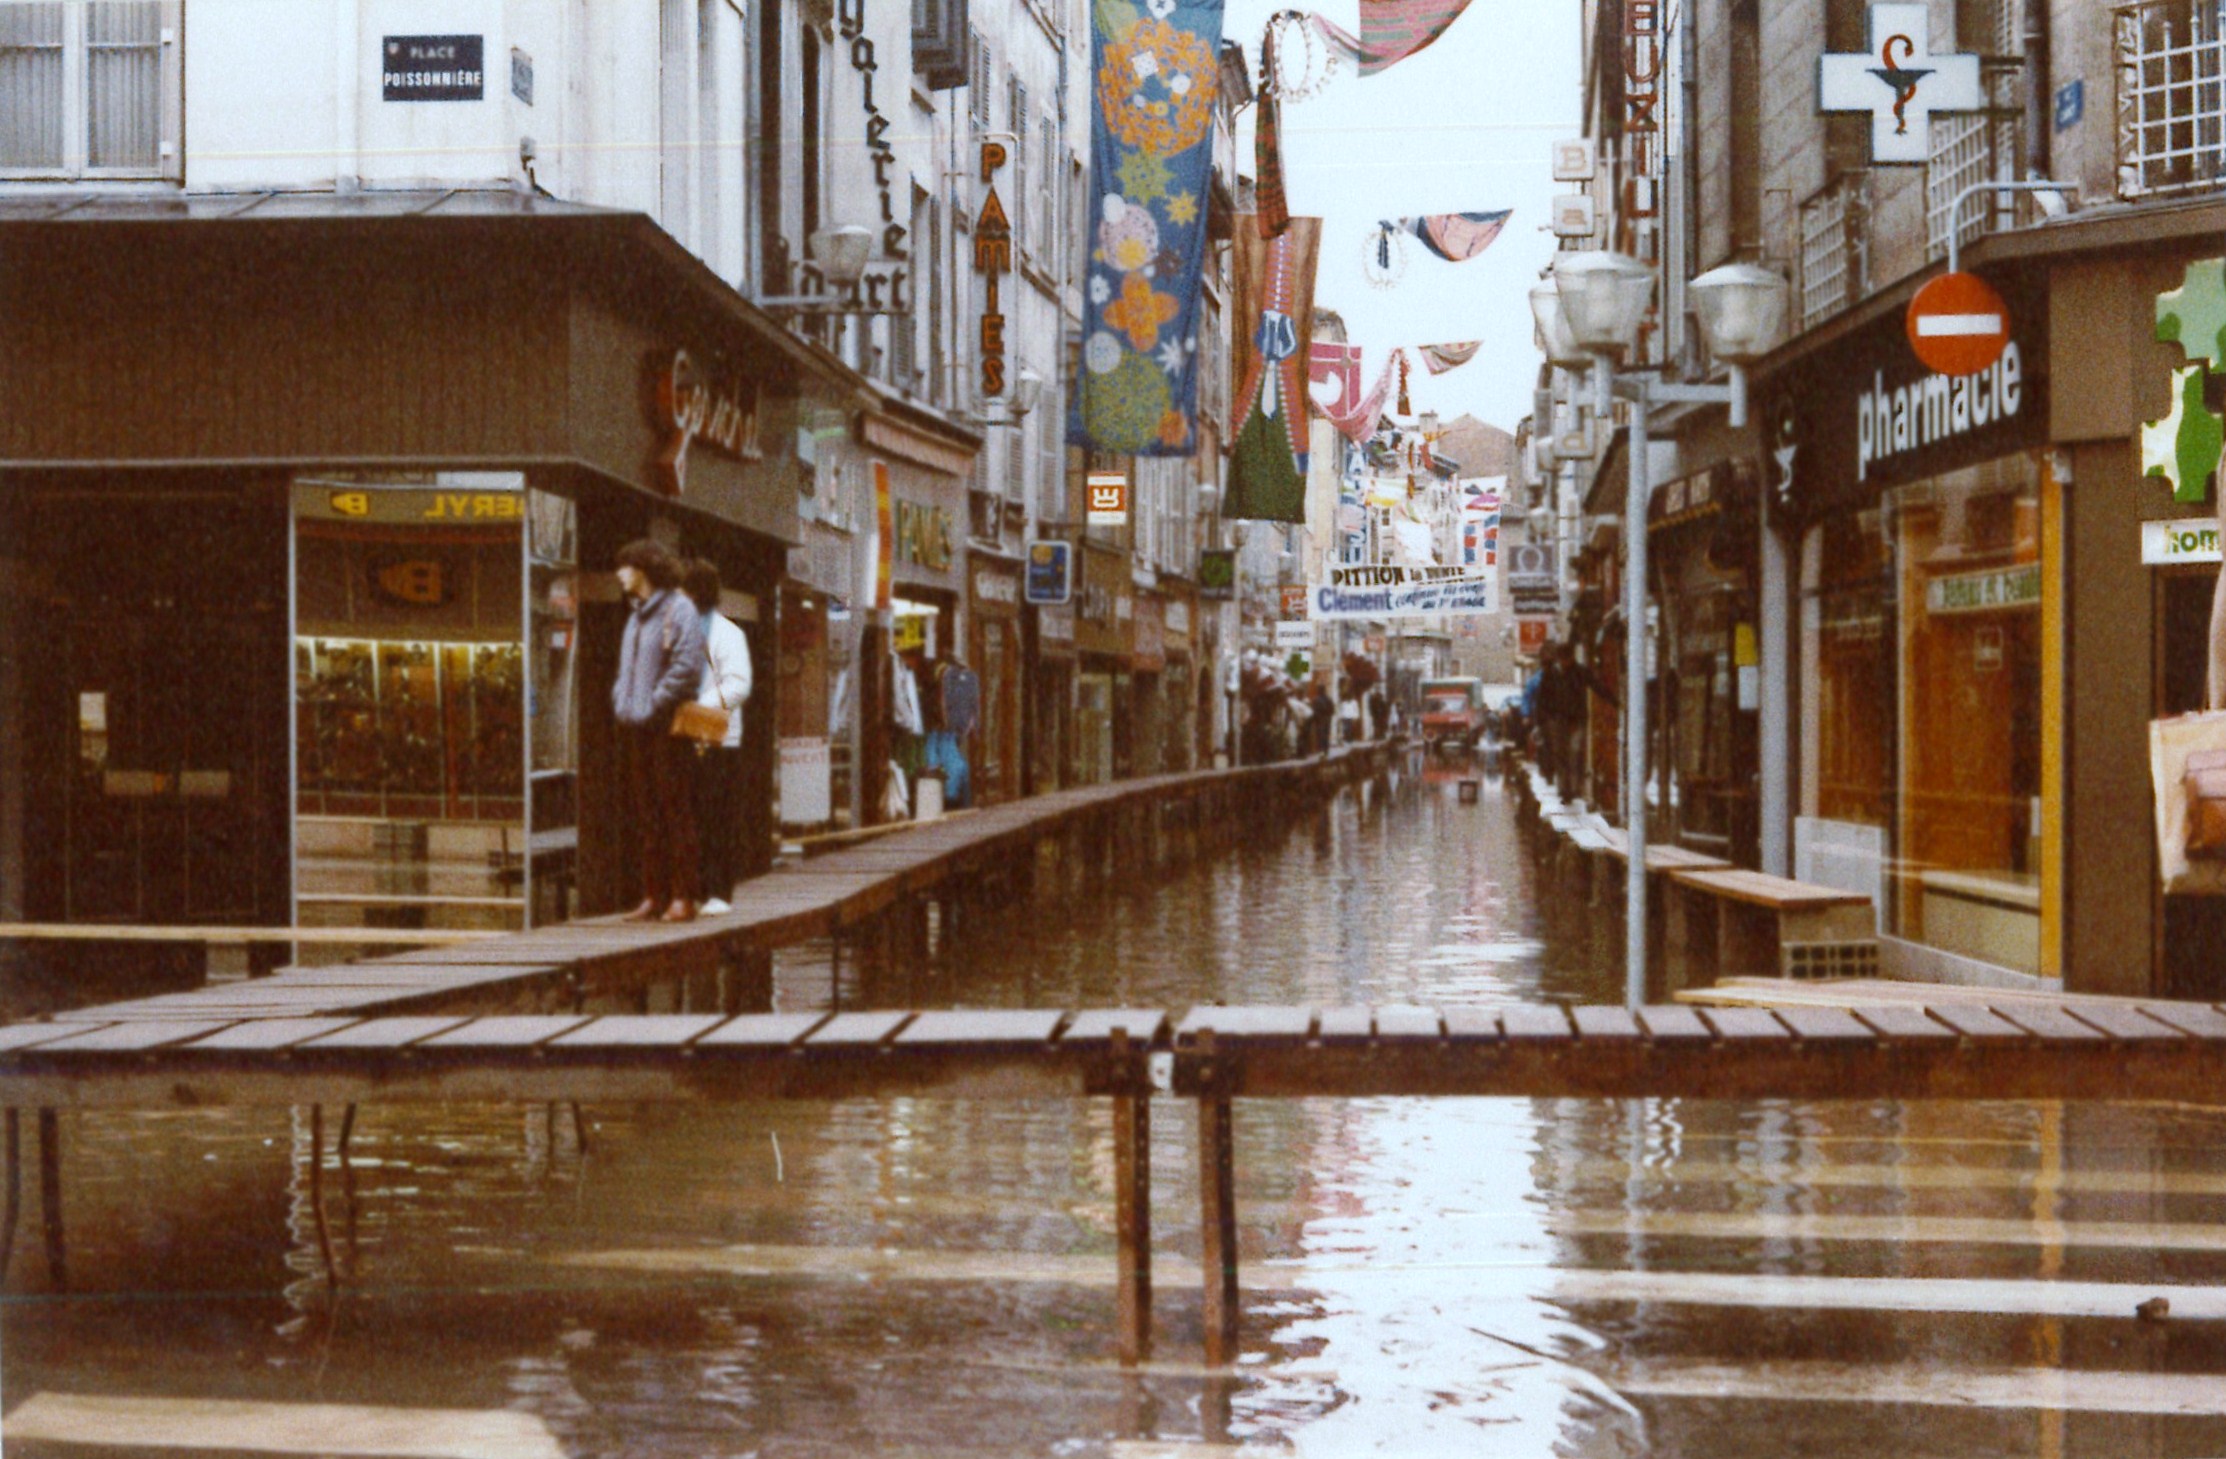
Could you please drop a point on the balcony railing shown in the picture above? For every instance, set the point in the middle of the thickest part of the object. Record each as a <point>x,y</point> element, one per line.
<point>2171,97</point>
<point>1973,147</point>
<point>1834,259</point>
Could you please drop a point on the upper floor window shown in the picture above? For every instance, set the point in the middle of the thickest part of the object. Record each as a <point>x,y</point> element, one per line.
<point>89,88</point>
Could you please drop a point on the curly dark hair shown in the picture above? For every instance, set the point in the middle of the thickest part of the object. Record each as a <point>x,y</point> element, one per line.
<point>653,560</point>
<point>700,581</point>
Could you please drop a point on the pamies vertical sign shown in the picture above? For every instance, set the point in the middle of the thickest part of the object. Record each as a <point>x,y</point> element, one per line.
<point>993,255</point>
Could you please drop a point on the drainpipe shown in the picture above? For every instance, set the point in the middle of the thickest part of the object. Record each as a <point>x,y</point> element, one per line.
<point>2039,109</point>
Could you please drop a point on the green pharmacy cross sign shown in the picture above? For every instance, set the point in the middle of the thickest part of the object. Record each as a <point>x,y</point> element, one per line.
<point>2184,446</point>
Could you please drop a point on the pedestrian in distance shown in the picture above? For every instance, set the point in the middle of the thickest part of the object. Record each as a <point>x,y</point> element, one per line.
<point>725,686</point>
<point>660,664</point>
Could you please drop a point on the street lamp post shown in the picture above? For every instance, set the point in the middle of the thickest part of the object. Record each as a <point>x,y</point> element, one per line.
<point>1592,306</point>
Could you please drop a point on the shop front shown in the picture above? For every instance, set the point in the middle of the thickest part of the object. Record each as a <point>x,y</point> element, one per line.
<point>1189,713</point>
<point>339,606</point>
<point>1148,713</point>
<point>1703,540</point>
<point>1050,697</point>
<point>2140,570</point>
<point>932,719</point>
<point>994,649</point>
<point>1928,573</point>
<point>1104,615</point>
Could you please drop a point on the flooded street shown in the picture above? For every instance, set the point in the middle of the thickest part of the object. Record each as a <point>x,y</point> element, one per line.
<point>935,1277</point>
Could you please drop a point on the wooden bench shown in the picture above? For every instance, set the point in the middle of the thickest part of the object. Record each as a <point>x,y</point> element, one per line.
<point>1613,843</point>
<point>1753,916</point>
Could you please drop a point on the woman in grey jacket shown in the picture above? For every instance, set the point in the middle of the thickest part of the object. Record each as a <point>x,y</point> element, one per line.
<point>660,662</point>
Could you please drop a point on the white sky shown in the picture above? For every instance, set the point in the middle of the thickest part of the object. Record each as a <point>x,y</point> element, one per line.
<point>1463,126</point>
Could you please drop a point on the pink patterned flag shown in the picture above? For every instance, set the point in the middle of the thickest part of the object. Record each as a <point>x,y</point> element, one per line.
<point>1440,358</point>
<point>1455,237</point>
<point>1333,375</point>
<point>1356,419</point>
<point>1391,30</point>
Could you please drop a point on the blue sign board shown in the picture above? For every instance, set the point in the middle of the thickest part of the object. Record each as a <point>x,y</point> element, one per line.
<point>1050,572</point>
<point>2071,104</point>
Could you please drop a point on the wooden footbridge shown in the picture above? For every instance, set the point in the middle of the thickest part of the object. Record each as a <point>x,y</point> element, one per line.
<point>2089,1049</point>
<point>519,1019</point>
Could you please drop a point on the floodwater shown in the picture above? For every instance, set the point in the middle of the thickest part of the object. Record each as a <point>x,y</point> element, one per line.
<point>934,1277</point>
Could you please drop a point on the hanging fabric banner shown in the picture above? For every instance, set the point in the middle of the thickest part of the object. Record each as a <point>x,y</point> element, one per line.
<point>1390,30</point>
<point>1271,333</point>
<point>1480,505</point>
<point>1356,419</point>
<point>1440,358</point>
<point>1456,237</point>
<point>1157,73</point>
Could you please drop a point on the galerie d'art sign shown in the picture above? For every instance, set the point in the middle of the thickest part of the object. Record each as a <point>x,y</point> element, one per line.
<point>1402,592</point>
<point>851,23</point>
<point>689,409</point>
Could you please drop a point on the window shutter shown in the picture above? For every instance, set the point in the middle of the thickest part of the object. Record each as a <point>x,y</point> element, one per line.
<point>170,146</point>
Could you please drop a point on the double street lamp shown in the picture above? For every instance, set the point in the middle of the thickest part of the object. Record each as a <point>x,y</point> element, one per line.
<point>1588,313</point>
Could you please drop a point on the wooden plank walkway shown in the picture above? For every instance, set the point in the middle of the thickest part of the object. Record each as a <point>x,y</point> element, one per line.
<point>1963,1048</point>
<point>839,894</point>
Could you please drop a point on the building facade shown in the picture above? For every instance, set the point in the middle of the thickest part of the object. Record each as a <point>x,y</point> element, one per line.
<point>1949,571</point>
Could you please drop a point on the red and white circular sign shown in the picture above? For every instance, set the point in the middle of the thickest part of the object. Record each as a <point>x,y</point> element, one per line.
<point>1958,324</point>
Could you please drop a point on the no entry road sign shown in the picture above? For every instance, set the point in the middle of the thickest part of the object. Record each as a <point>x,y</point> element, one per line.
<point>1958,324</point>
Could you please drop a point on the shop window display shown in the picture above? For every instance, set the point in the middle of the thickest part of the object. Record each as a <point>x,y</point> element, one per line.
<point>1923,636</point>
<point>410,714</point>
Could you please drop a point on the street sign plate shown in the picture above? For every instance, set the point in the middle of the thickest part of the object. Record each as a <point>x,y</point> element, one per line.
<point>1294,635</point>
<point>1957,324</point>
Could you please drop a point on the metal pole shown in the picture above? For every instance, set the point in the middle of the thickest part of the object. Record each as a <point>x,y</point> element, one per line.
<point>1634,696</point>
<point>1776,728</point>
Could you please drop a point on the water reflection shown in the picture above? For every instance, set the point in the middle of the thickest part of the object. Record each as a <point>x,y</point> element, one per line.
<point>931,1277</point>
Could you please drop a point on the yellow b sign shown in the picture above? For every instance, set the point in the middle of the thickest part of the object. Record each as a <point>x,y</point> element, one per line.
<point>351,503</point>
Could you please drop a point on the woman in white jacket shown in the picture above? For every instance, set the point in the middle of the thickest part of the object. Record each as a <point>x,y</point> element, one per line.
<point>726,685</point>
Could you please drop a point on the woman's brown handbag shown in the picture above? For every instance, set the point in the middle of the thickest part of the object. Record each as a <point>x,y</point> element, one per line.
<point>700,723</point>
<point>2187,762</point>
<point>2204,781</point>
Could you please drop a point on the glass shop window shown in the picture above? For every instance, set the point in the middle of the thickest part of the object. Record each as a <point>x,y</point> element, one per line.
<point>410,701</point>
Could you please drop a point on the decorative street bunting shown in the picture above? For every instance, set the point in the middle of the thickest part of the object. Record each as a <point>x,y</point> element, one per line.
<point>1439,358</point>
<point>2185,446</point>
<point>1390,30</point>
<point>1455,237</point>
<point>1273,298</point>
<point>1157,73</point>
<point>1900,83</point>
<point>1354,418</point>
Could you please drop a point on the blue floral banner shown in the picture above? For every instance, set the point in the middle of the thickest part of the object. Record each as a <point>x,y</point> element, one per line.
<point>1155,64</point>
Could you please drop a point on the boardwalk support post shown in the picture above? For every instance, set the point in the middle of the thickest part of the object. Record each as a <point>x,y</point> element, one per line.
<point>317,1193</point>
<point>1217,1197</point>
<point>50,1197</point>
<point>1132,1199</point>
<point>15,1191</point>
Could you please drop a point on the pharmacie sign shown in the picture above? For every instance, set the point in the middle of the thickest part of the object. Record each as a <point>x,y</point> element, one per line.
<point>1863,414</point>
